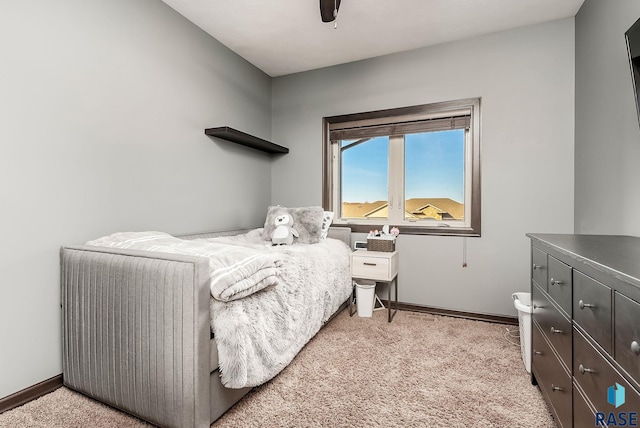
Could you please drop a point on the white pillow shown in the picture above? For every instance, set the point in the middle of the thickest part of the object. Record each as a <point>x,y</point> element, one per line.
<point>327,218</point>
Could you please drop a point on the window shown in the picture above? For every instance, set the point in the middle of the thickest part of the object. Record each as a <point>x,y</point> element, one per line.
<point>415,167</point>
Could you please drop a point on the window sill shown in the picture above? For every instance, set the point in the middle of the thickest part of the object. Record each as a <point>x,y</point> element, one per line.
<point>414,230</point>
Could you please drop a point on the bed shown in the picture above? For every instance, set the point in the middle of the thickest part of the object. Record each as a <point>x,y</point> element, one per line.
<point>142,333</point>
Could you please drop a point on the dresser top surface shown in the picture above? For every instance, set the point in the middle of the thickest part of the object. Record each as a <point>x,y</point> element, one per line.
<point>618,255</point>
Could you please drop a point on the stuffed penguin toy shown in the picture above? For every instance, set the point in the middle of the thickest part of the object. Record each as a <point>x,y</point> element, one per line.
<point>284,231</point>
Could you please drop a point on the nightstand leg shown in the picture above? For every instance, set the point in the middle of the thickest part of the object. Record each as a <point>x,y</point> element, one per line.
<point>395,283</point>
<point>352,307</point>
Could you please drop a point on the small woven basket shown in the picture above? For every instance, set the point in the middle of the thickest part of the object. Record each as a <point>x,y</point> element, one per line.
<point>384,245</point>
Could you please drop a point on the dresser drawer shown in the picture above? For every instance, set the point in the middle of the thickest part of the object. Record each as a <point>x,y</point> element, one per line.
<point>583,414</point>
<point>595,375</point>
<point>539,267</point>
<point>592,308</point>
<point>559,284</point>
<point>369,267</point>
<point>553,380</point>
<point>554,325</point>
<point>627,334</point>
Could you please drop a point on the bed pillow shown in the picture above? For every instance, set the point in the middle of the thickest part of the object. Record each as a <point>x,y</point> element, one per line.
<point>307,221</point>
<point>327,218</point>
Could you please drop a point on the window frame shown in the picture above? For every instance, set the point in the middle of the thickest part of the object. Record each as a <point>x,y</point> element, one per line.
<point>402,117</point>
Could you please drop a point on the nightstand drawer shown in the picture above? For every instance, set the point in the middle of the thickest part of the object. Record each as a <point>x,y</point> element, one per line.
<point>376,265</point>
<point>370,267</point>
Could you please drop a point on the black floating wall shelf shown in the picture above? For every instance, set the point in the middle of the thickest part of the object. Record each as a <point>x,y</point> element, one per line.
<point>239,137</point>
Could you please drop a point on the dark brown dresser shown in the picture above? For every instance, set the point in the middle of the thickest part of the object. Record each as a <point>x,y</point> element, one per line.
<point>585,332</point>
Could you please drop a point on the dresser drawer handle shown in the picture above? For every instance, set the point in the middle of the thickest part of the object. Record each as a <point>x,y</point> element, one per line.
<point>555,388</point>
<point>555,331</point>
<point>583,305</point>
<point>584,370</point>
<point>635,347</point>
<point>536,267</point>
<point>370,264</point>
<point>537,352</point>
<point>555,281</point>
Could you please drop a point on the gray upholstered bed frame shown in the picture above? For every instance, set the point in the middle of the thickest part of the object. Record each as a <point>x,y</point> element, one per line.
<point>136,333</point>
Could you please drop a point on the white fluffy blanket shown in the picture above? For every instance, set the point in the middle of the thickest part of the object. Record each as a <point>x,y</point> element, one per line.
<point>234,271</point>
<point>259,329</point>
<point>259,335</point>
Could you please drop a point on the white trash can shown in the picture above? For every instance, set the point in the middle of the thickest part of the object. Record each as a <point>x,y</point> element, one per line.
<point>365,297</point>
<point>522,302</point>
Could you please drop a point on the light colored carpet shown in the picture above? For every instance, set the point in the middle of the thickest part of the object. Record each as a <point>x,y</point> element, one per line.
<point>418,371</point>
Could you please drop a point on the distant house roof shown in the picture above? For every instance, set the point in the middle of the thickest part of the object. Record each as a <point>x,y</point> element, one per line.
<point>361,209</point>
<point>439,208</point>
<point>446,206</point>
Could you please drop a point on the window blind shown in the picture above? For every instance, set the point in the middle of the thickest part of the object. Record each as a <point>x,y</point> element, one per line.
<point>347,131</point>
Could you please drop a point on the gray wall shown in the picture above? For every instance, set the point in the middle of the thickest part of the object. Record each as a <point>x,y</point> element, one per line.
<point>526,80</point>
<point>607,145</point>
<point>102,111</point>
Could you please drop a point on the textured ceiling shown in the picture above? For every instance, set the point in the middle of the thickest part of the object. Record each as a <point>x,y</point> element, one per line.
<point>287,36</point>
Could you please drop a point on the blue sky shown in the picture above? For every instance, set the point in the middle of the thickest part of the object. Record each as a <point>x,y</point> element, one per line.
<point>434,165</point>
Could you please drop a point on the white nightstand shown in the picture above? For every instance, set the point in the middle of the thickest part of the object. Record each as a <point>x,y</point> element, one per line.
<point>377,266</point>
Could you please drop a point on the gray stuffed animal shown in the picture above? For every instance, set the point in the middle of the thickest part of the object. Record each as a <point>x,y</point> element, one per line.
<point>284,231</point>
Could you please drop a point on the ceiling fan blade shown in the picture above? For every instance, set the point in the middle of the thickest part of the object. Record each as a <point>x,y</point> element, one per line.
<point>326,9</point>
